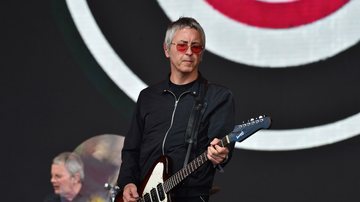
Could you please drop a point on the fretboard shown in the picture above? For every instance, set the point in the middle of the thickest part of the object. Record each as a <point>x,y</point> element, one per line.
<point>179,176</point>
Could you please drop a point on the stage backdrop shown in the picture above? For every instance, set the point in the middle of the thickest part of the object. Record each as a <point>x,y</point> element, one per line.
<point>71,72</point>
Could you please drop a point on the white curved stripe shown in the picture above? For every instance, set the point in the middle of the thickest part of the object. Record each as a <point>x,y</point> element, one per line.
<point>277,140</point>
<point>259,47</point>
<point>132,85</point>
<point>102,51</point>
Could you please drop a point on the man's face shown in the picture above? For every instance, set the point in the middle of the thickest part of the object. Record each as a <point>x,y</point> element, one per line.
<point>61,179</point>
<point>185,63</point>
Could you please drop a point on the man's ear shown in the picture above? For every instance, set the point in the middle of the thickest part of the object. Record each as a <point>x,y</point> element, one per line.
<point>166,50</point>
<point>76,177</point>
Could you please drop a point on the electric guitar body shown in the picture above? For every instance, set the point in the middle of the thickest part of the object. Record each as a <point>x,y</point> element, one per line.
<point>158,182</point>
<point>155,178</point>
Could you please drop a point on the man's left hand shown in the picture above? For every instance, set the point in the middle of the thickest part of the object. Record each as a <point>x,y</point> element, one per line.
<point>215,153</point>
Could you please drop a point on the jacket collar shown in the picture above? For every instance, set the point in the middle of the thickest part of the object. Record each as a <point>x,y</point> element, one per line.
<point>194,89</point>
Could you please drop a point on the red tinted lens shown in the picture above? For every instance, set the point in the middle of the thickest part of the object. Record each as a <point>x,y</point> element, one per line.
<point>196,48</point>
<point>181,47</point>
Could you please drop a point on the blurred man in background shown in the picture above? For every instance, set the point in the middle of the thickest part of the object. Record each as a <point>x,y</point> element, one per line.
<point>67,176</point>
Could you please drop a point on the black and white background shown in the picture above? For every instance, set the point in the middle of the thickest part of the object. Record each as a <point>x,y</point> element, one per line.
<point>55,95</point>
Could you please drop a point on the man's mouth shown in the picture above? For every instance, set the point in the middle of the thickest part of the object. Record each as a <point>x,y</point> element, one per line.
<point>56,187</point>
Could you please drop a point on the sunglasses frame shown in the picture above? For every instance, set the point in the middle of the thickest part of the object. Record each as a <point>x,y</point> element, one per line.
<point>180,47</point>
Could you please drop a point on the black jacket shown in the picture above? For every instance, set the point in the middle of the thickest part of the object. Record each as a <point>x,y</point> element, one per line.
<point>158,128</point>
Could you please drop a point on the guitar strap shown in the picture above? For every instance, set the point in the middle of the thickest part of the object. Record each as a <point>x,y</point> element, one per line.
<point>195,118</point>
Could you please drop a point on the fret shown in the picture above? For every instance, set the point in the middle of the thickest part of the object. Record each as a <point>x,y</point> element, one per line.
<point>165,187</point>
<point>175,179</point>
<point>168,188</point>
<point>199,161</point>
<point>172,182</point>
<point>182,174</point>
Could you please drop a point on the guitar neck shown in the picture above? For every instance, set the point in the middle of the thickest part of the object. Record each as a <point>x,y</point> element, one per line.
<point>179,176</point>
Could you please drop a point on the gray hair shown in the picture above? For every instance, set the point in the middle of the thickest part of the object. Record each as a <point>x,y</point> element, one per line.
<point>181,23</point>
<point>72,162</point>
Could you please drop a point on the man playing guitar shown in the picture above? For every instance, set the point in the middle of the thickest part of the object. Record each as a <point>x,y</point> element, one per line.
<point>163,116</point>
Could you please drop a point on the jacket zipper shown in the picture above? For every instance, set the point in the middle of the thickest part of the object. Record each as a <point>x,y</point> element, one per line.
<point>172,118</point>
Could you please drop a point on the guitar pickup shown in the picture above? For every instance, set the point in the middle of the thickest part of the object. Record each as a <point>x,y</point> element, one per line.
<point>161,191</point>
<point>147,197</point>
<point>154,196</point>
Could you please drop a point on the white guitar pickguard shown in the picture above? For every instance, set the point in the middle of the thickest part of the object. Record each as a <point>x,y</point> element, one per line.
<point>156,177</point>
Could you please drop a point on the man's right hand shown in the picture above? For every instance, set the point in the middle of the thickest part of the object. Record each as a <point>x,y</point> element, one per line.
<point>130,193</point>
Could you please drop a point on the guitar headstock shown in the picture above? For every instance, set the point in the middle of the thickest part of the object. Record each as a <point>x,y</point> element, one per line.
<point>243,131</point>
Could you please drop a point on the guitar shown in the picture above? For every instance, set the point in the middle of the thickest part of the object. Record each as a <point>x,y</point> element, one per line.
<point>158,183</point>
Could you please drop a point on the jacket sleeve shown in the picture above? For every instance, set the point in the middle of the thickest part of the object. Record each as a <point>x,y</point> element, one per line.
<point>129,170</point>
<point>222,120</point>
